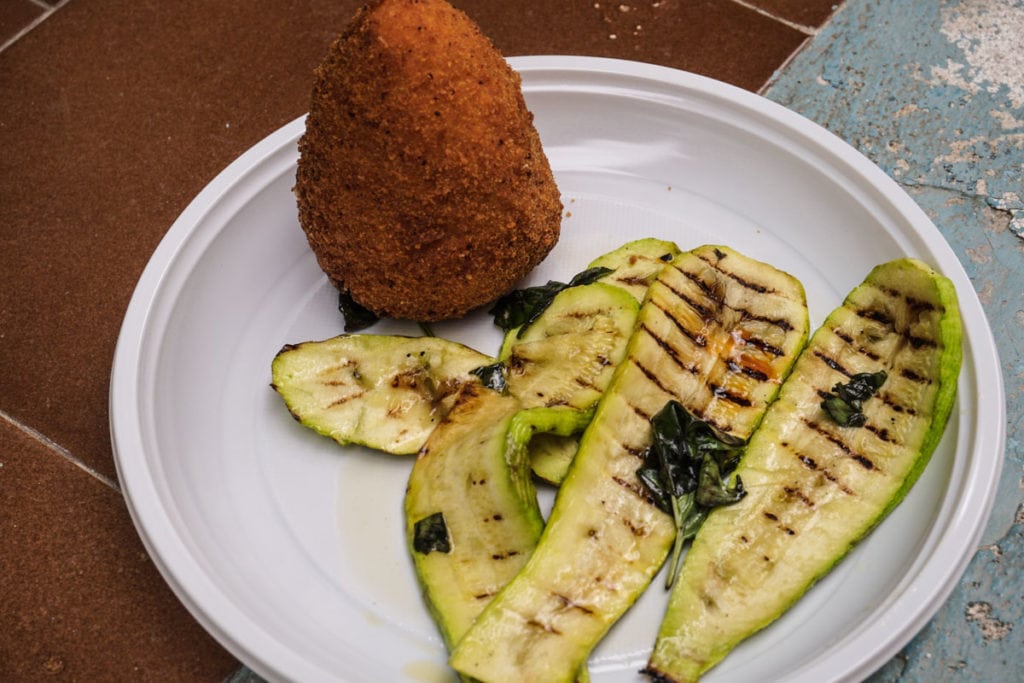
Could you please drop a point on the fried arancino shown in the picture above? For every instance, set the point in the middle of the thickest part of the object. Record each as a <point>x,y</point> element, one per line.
<point>421,184</point>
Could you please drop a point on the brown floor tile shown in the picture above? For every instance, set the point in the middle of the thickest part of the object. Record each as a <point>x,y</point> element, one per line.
<point>16,15</point>
<point>809,13</point>
<point>723,40</point>
<point>81,599</point>
<point>113,116</point>
<point>101,154</point>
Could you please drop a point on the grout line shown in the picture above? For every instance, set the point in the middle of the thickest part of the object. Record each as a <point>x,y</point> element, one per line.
<point>807,30</point>
<point>782,67</point>
<point>47,12</point>
<point>803,46</point>
<point>60,450</point>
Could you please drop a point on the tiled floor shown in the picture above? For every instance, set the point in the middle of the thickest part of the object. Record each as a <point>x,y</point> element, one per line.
<point>113,116</point>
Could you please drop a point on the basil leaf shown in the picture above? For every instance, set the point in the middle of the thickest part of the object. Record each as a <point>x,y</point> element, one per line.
<point>844,404</point>
<point>492,376</point>
<point>685,472</point>
<point>521,307</point>
<point>713,489</point>
<point>356,317</point>
<point>430,534</point>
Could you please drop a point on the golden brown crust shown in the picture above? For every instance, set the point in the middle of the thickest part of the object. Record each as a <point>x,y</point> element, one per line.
<point>421,184</point>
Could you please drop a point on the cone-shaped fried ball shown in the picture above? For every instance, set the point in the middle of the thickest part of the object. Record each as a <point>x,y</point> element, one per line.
<point>421,184</point>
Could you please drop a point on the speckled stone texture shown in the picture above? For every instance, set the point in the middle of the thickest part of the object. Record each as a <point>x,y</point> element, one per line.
<point>933,92</point>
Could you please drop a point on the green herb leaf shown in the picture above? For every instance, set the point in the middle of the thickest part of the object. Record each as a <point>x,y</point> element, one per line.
<point>356,317</point>
<point>844,404</point>
<point>492,376</point>
<point>430,534</point>
<point>521,307</point>
<point>686,472</point>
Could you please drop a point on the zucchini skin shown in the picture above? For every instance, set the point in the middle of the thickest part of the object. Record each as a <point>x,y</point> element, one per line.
<point>710,336</point>
<point>815,488</point>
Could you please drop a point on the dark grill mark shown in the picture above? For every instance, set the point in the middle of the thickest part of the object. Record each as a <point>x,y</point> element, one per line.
<point>863,462</point>
<point>639,412</point>
<point>725,429</point>
<point>749,284</point>
<point>832,363</point>
<point>860,349</point>
<point>505,555</point>
<point>919,306</point>
<point>705,312</point>
<point>749,372</point>
<point>710,291</point>
<point>516,363</point>
<point>697,338</point>
<point>534,623</point>
<point>835,480</point>
<point>637,531</point>
<point>764,346</point>
<point>882,433</point>
<point>860,459</point>
<point>651,376</point>
<point>921,342</point>
<point>897,407</point>
<point>723,393</point>
<point>772,516</point>
<point>632,280</point>
<point>670,351</point>
<point>907,373</point>
<point>635,450</point>
<point>344,399</point>
<point>877,316</point>
<point>799,495</point>
<point>633,487</point>
<point>915,304</point>
<point>484,596</point>
<point>780,323</point>
<point>811,464</point>
<point>566,602</point>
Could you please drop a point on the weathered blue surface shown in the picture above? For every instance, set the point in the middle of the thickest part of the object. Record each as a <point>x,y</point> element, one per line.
<point>933,92</point>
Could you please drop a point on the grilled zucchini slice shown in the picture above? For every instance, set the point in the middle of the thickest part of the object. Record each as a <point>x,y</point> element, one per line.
<point>382,391</point>
<point>635,265</point>
<point>567,357</point>
<point>470,487</point>
<point>718,332</point>
<point>817,487</point>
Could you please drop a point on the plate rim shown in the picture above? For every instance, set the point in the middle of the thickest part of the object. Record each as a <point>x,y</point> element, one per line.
<point>272,659</point>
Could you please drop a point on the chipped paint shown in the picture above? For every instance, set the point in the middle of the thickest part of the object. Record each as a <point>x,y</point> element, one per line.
<point>961,82</point>
<point>989,33</point>
<point>933,92</point>
<point>980,613</point>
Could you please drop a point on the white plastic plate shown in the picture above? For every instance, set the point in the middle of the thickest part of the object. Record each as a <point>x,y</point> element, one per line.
<point>289,549</point>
